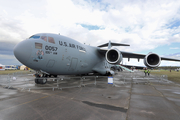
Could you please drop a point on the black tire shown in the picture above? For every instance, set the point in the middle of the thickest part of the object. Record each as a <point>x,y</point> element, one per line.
<point>40,80</point>
<point>36,80</point>
<point>43,81</point>
<point>55,75</point>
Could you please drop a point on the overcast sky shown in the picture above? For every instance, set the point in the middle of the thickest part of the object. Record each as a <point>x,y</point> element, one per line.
<point>147,25</point>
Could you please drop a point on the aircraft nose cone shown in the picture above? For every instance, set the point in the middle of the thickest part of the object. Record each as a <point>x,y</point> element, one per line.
<point>22,51</point>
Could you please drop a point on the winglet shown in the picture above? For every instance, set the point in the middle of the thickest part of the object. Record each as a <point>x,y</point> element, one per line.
<point>109,45</point>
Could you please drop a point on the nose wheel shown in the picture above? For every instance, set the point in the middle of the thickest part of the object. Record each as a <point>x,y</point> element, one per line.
<point>40,80</point>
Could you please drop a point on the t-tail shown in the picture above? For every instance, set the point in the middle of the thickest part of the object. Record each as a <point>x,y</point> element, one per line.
<point>110,44</point>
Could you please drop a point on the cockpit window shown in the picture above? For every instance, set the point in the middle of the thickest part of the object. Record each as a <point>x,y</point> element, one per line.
<point>34,37</point>
<point>38,45</point>
<point>51,40</point>
<point>44,38</point>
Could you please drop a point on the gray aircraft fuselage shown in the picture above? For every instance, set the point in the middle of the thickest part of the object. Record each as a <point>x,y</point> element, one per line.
<point>53,54</point>
<point>59,55</point>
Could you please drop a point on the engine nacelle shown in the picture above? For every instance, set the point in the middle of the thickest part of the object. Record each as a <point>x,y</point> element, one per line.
<point>113,56</point>
<point>152,60</point>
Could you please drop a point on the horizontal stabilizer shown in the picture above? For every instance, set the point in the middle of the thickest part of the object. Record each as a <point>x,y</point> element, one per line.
<point>113,44</point>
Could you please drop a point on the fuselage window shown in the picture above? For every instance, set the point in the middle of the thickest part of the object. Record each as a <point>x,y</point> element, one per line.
<point>34,37</point>
<point>38,45</point>
<point>44,38</point>
<point>51,40</point>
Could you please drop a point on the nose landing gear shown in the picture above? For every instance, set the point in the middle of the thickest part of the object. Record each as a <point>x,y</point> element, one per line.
<point>40,79</point>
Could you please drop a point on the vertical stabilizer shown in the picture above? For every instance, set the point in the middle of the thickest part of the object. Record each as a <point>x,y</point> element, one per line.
<point>109,45</point>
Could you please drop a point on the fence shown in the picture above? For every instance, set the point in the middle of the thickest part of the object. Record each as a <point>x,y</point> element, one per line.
<point>26,81</point>
<point>139,78</point>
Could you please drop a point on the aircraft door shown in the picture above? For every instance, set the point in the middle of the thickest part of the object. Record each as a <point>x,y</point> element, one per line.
<point>73,64</point>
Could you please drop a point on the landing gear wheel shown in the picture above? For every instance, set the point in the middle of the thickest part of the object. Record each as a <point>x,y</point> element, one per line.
<point>43,81</point>
<point>36,80</point>
<point>108,74</point>
<point>40,80</point>
<point>55,75</point>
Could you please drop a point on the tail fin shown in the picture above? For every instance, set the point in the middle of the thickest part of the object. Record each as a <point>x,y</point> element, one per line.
<point>112,44</point>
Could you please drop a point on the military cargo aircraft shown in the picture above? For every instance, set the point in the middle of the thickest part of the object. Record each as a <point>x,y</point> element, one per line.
<point>53,54</point>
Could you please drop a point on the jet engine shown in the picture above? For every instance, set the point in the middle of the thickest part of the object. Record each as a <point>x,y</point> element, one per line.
<point>113,56</point>
<point>152,60</point>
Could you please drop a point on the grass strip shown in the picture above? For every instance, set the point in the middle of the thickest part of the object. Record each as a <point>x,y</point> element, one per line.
<point>173,75</point>
<point>6,72</point>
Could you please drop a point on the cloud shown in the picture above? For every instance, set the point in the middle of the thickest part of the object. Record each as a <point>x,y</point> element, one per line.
<point>174,54</point>
<point>176,48</point>
<point>144,25</point>
<point>6,48</point>
<point>8,60</point>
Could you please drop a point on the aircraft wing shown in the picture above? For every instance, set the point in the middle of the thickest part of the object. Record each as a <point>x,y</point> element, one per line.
<point>124,54</point>
<point>141,56</point>
<point>132,55</point>
<point>169,59</point>
<point>136,55</point>
<point>115,56</point>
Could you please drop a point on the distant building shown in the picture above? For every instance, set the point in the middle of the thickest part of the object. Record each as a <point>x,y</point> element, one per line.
<point>18,67</point>
<point>23,67</point>
<point>2,67</point>
<point>10,67</point>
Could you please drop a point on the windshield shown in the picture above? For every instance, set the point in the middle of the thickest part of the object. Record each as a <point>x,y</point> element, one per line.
<point>44,37</point>
<point>34,37</point>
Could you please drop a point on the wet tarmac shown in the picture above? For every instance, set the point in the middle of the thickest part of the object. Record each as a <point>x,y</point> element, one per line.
<point>131,97</point>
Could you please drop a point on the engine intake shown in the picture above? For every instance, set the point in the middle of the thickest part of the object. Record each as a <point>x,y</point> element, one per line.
<point>152,60</point>
<point>113,56</point>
